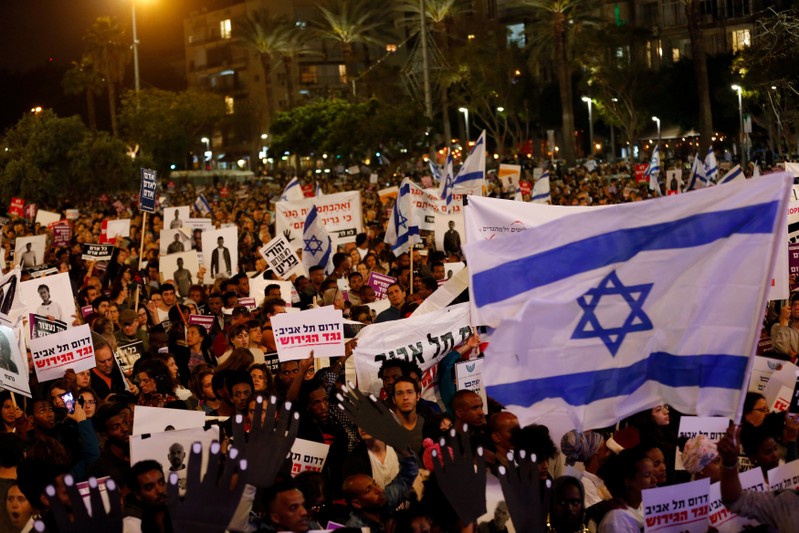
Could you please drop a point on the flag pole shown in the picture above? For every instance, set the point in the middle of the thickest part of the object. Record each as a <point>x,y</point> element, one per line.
<point>410,252</point>
<point>141,254</point>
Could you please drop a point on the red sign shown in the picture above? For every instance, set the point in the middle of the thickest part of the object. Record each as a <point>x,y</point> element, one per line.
<point>308,190</point>
<point>526,187</point>
<point>17,208</point>
<point>640,172</point>
<point>224,192</point>
<point>62,233</point>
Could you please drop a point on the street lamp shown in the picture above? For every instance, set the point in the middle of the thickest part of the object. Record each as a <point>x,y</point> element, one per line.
<point>658,123</point>
<point>466,120</point>
<point>265,149</point>
<point>208,152</point>
<point>739,90</point>
<point>590,103</point>
<point>613,135</point>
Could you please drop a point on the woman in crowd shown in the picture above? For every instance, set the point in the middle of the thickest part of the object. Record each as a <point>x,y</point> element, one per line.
<point>90,401</point>
<point>626,476</point>
<point>701,459</point>
<point>261,379</point>
<point>202,388</point>
<point>157,387</point>
<point>8,412</point>
<point>658,464</point>
<point>590,449</point>
<point>199,349</point>
<point>238,337</point>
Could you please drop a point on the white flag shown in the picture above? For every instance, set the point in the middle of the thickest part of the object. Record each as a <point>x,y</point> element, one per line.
<point>292,192</point>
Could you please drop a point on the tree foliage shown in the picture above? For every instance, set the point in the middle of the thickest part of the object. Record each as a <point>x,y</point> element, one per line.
<point>167,125</point>
<point>48,160</point>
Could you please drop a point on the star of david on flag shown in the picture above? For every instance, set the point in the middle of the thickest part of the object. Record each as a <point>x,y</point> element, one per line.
<point>610,311</point>
<point>317,245</point>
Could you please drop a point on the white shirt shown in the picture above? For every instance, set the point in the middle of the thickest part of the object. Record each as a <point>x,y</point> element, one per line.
<point>385,472</point>
<point>626,520</point>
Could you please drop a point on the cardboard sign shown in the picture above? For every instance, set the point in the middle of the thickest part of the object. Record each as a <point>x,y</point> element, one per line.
<point>640,172</point>
<point>509,176</point>
<point>53,354</point>
<point>97,252</point>
<point>206,321</point>
<point>712,427</point>
<point>308,456</point>
<point>149,179</point>
<point>158,419</point>
<point>762,370</point>
<point>469,376</point>
<point>682,507</point>
<point>62,233</point>
<point>281,258</point>
<point>721,518</point>
<point>17,208</point>
<point>320,330</point>
<point>249,303</point>
<point>779,389</point>
<point>112,229</point>
<point>380,283</point>
<point>127,355</point>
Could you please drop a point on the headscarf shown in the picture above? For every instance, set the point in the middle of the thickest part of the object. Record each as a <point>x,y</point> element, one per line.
<point>699,452</point>
<point>580,446</point>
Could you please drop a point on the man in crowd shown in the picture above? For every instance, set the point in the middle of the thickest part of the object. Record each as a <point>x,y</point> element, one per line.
<point>145,505</point>
<point>396,297</point>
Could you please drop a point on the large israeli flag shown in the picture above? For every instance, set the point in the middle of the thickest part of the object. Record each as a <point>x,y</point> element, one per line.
<point>541,190</point>
<point>612,311</point>
<point>292,192</point>
<point>403,226</point>
<point>317,246</point>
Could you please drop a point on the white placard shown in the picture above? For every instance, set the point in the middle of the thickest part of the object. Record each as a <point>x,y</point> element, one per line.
<point>160,419</point>
<point>469,376</point>
<point>677,508</point>
<point>784,477</point>
<point>55,353</point>
<point>721,518</point>
<point>45,218</point>
<point>308,456</point>
<point>340,214</point>
<point>712,427</point>
<point>320,330</point>
<point>281,258</point>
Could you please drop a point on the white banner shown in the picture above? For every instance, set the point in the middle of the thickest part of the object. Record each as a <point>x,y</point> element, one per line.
<point>340,214</point>
<point>423,339</point>
<point>157,419</point>
<point>724,520</point>
<point>679,508</point>
<point>55,353</point>
<point>468,374</point>
<point>320,330</point>
<point>281,258</point>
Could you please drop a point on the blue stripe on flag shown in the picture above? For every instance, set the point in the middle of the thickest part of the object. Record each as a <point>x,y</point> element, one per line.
<point>540,196</point>
<point>469,176</point>
<point>528,273</point>
<point>709,370</point>
<point>312,214</point>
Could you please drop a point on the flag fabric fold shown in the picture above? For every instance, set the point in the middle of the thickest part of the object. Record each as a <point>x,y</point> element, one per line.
<point>712,168</point>
<point>201,205</point>
<point>653,170</point>
<point>292,192</point>
<point>474,168</point>
<point>403,225</point>
<point>435,171</point>
<point>447,185</point>
<point>698,178</point>
<point>541,191</point>
<point>609,312</point>
<point>318,192</point>
<point>317,246</point>
<point>734,174</point>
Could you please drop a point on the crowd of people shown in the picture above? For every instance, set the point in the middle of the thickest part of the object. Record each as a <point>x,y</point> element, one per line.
<point>399,462</point>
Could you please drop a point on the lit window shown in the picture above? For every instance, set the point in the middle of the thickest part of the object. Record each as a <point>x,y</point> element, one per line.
<point>229,105</point>
<point>391,48</point>
<point>675,55</point>
<point>740,39</point>
<point>224,29</point>
<point>342,73</point>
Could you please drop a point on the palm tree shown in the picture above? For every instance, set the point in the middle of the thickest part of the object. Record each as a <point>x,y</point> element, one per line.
<point>83,77</point>
<point>270,38</point>
<point>558,20</point>
<point>108,49</point>
<point>351,22</point>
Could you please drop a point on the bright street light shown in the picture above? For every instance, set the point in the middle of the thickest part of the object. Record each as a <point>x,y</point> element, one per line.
<point>741,139</point>
<point>590,103</point>
<point>656,119</point>
<point>466,120</point>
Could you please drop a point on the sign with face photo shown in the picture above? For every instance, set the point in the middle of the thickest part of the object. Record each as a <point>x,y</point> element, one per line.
<point>50,297</point>
<point>176,217</point>
<point>220,253</point>
<point>29,251</point>
<point>181,269</point>
<point>173,241</point>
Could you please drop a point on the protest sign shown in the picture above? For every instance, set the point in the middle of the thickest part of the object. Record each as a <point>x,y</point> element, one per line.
<point>389,193</point>
<point>111,229</point>
<point>41,326</point>
<point>640,172</point>
<point>72,214</point>
<point>13,370</point>
<point>55,353</point>
<point>380,283</point>
<point>40,271</point>
<point>722,518</point>
<point>29,251</point>
<point>127,355</point>
<point>784,477</point>
<point>281,258</point>
<point>147,191</point>
<point>423,339</point>
<point>779,389</point>
<point>17,208</point>
<point>468,375</point>
<point>221,253</point>
<point>308,456</point>
<point>50,297</point>
<point>158,419</point>
<point>97,252</point>
<point>678,508</point>
<point>378,306</point>
<point>712,427</point>
<point>320,330</point>
<point>171,449</point>
<point>249,303</point>
<point>673,181</point>
<point>340,214</point>
<point>288,292</point>
<point>762,369</point>
<point>509,176</point>
<point>205,321</point>
<point>45,218</point>
<point>62,233</point>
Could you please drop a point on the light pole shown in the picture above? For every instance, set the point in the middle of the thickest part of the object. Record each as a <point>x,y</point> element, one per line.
<point>741,141</point>
<point>590,103</point>
<point>266,150</point>
<point>136,82</point>
<point>613,135</point>
<point>207,154</point>
<point>466,120</point>
<point>656,119</point>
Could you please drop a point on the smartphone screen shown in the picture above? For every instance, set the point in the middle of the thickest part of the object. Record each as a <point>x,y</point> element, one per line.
<point>69,402</point>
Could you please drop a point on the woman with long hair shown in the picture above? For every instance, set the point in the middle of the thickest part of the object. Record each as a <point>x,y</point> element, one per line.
<point>239,359</point>
<point>157,387</point>
<point>199,342</point>
<point>201,384</point>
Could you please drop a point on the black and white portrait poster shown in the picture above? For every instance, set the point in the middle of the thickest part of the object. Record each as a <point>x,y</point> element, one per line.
<point>50,297</point>
<point>181,269</point>
<point>29,251</point>
<point>173,241</point>
<point>220,253</point>
<point>175,217</point>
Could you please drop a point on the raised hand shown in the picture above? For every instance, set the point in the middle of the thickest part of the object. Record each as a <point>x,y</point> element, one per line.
<point>372,416</point>
<point>210,502</point>
<point>269,443</point>
<point>463,477</point>
<point>520,486</point>
<point>80,520</point>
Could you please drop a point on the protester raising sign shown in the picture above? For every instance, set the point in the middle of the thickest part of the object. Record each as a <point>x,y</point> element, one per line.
<point>681,507</point>
<point>308,456</point>
<point>281,258</point>
<point>423,339</point>
<point>97,252</point>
